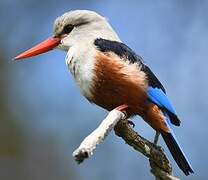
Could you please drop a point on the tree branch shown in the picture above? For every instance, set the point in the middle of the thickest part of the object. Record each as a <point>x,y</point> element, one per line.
<point>88,145</point>
<point>159,163</point>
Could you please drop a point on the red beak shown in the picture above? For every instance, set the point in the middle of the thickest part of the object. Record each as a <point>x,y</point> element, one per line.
<point>42,47</point>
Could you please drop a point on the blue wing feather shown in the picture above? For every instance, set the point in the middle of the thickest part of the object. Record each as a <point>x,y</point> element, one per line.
<point>157,96</point>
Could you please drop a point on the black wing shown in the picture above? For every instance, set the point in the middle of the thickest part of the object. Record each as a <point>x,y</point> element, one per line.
<point>124,51</point>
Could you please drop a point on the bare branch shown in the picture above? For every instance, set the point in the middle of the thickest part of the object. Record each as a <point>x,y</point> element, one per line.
<point>89,144</point>
<point>159,163</point>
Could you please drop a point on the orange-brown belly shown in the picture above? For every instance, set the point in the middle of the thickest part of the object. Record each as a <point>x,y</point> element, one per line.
<point>110,98</point>
<point>117,82</point>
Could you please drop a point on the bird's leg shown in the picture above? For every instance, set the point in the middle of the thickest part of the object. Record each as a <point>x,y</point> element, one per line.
<point>157,134</point>
<point>123,108</point>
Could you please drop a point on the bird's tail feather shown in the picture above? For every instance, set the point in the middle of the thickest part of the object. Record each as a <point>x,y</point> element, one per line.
<point>176,150</point>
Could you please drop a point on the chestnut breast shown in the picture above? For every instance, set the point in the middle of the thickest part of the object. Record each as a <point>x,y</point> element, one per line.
<point>118,82</point>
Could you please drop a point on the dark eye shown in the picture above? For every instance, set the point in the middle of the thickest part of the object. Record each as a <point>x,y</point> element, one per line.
<point>68,28</point>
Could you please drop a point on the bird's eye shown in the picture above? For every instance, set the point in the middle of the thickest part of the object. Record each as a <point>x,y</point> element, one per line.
<point>68,28</point>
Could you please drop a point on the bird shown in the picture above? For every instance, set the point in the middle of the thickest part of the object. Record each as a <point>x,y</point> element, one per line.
<point>110,74</point>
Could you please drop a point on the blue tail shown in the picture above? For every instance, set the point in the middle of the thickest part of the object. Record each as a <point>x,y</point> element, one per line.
<point>176,150</point>
<point>158,97</point>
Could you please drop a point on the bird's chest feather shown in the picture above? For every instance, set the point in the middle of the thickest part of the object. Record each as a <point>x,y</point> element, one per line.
<point>80,64</point>
<point>117,82</point>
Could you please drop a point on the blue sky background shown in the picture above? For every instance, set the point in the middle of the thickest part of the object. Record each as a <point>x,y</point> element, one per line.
<point>47,115</point>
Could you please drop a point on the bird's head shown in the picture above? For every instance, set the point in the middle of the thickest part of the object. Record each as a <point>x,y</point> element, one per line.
<point>72,28</point>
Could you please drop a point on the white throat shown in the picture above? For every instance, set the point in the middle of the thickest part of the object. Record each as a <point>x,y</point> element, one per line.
<point>80,62</point>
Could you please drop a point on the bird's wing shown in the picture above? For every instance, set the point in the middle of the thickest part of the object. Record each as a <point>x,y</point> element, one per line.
<point>127,53</point>
<point>156,92</point>
<point>158,97</point>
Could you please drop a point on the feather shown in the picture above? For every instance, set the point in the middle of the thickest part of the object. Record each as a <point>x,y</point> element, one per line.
<point>158,97</point>
<point>175,149</point>
<point>127,54</point>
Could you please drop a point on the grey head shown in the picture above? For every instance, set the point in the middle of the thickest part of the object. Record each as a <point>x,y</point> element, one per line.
<point>82,26</point>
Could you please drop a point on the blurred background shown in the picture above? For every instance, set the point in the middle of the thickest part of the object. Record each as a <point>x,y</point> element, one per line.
<point>43,116</point>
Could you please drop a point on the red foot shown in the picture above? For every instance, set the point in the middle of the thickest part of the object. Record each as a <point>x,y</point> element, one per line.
<point>122,108</point>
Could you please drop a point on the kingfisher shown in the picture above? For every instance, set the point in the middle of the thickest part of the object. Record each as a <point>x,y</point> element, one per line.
<point>110,74</point>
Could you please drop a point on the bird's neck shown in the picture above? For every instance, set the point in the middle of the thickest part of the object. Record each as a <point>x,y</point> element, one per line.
<point>80,62</point>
